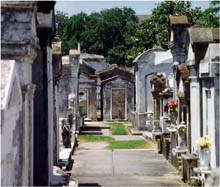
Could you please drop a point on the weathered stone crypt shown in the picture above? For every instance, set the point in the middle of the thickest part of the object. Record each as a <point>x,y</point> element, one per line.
<point>117,87</point>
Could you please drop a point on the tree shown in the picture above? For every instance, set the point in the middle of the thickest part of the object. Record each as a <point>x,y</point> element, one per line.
<point>61,19</point>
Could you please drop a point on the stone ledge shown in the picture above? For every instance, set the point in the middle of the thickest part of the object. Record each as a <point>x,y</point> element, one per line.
<point>59,177</point>
<point>19,51</point>
<point>134,131</point>
<point>148,135</point>
<point>62,178</point>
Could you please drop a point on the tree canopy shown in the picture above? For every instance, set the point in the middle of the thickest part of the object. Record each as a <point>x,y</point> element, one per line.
<point>104,33</point>
<point>211,16</point>
<point>116,33</point>
<point>154,31</point>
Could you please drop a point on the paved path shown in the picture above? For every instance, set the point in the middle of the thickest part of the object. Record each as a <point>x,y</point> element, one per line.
<point>96,166</point>
<point>92,145</point>
<point>127,137</point>
<point>139,167</point>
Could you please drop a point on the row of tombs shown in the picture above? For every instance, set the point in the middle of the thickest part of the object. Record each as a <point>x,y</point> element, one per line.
<point>174,94</point>
<point>177,99</point>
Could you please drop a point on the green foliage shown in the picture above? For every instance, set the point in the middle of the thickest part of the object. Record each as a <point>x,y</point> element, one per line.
<point>118,129</point>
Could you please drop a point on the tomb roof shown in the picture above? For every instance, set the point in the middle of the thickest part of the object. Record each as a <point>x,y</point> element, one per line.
<point>18,4</point>
<point>84,68</point>
<point>156,55</point>
<point>5,74</point>
<point>113,71</point>
<point>203,35</point>
<point>8,75</point>
<point>178,20</point>
<point>212,53</point>
<point>113,67</point>
<point>116,77</point>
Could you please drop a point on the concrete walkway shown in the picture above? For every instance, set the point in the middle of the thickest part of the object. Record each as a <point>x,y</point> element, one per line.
<point>96,166</point>
<point>138,167</point>
<point>127,137</point>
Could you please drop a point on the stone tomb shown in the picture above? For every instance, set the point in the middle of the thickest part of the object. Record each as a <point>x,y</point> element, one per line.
<point>117,86</point>
<point>148,105</point>
<point>11,128</point>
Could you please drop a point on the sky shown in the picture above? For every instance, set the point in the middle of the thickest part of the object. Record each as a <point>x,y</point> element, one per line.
<point>88,6</point>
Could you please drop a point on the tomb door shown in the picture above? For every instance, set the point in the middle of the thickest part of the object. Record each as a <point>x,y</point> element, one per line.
<point>118,104</point>
<point>83,102</point>
<point>209,120</point>
<point>149,101</point>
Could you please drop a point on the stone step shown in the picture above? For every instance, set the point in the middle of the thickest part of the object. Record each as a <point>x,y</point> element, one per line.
<point>87,120</point>
<point>91,132</point>
<point>86,127</point>
<point>90,128</point>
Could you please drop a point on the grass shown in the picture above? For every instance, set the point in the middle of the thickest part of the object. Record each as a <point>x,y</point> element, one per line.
<point>95,138</point>
<point>130,144</point>
<point>113,144</point>
<point>118,128</point>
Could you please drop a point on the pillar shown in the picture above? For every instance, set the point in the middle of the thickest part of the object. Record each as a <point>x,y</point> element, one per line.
<point>194,107</point>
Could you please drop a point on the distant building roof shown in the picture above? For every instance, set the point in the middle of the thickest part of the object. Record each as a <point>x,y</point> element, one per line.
<point>74,52</point>
<point>141,18</point>
<point>203,35</point>
<point>178,20</point>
